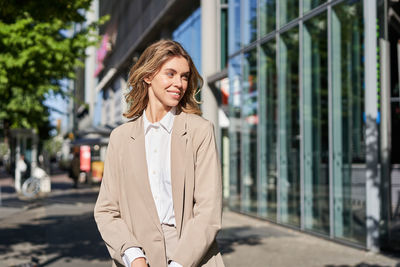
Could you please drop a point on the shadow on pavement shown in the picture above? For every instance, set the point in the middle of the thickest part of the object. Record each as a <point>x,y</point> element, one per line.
<point>67,237</point>
<point>7,189</point>
<point>61,191</point>
<point>362,264</point>
<point>228,238</point>
<point>70,198</point>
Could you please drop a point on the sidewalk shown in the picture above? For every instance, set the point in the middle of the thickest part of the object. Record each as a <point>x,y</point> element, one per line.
<point>57,230</point>
<point>60,231</point>
<point>246,241</point>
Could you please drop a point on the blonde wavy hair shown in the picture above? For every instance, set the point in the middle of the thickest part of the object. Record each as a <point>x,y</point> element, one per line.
<point>149,63</point>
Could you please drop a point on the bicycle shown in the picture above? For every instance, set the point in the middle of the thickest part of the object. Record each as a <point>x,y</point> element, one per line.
<point>39,181</point>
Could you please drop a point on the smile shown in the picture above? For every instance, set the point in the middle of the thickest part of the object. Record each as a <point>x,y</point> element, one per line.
<point>175,94</point>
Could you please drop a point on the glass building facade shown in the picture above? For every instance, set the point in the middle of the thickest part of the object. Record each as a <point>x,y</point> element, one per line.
<point>297,134</point>
<point>188,34</point>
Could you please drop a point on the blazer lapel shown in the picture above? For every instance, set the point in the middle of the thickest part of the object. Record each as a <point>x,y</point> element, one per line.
<point>138,168</point>
<point>178,151</point>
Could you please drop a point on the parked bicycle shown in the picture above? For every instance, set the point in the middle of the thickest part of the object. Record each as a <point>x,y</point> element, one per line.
<point>38,182</point>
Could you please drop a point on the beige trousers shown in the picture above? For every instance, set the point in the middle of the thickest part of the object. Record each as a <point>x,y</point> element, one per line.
<point>170,239</point>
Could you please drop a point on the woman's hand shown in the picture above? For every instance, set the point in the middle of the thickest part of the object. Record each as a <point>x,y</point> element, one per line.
<point>139,262</point>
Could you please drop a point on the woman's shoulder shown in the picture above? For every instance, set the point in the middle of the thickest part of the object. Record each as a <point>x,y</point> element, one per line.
<point>123,130</point>
<point>197,122</point>
<point>199,128</point>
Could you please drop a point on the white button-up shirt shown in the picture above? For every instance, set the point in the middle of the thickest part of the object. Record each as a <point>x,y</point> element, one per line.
<point>158,157</point>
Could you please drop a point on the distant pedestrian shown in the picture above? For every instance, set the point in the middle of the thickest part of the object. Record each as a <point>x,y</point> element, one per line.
<point>160,201</point>
<point>21,171</point>
<point>75,170</point>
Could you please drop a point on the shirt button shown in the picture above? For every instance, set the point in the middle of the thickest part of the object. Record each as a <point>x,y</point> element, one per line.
<point>155,150</point>
<point>154,172</point>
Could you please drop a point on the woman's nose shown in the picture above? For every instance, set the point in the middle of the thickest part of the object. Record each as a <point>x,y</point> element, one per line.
<point>178,81</point>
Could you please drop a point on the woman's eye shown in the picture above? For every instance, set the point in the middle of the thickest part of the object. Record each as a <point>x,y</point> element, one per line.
<point>185,77</point>
<point>170,74</point>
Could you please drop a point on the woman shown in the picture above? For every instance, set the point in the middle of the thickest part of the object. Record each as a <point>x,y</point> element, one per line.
<point>160,200</point>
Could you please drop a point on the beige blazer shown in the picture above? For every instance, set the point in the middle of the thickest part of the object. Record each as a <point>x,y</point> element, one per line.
<point>125,211</point>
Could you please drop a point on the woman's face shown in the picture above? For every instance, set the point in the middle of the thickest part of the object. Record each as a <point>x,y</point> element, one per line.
<point>169,84</point>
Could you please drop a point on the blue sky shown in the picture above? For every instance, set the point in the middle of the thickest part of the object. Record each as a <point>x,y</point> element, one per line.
<point>57,103</point>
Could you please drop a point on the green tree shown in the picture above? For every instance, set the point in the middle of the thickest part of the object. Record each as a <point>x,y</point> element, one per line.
<point>41,43</point>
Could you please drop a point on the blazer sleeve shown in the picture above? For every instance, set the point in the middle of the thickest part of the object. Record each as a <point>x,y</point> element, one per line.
<point>112,227</point>
<point>200,231</point>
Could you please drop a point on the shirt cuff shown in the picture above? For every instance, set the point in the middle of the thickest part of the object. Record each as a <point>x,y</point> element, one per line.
<point>132,254</point>
<point>174,264</point>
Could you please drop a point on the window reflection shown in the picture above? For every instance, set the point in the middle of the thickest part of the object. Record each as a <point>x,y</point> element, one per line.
<point>249,22</point>
<point>265,105</point>
<point>289,127</point>
<point>234,132</point>
<point>268,130</point>
<point>348,120</point>
<point>311,4</point>
<point>234,26</point>
<point>288,11</point>
<point>267,16</point>
<point>249,132</point>
<point>315,125</point>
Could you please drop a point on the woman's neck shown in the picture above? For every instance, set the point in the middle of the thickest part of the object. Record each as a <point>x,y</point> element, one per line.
<point>154,113</point>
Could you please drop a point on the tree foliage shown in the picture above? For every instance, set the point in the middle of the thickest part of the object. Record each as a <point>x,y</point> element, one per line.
<point>41,43</point>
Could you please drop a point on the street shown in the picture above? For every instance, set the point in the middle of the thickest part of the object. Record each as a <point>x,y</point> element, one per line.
<point>59,230</point>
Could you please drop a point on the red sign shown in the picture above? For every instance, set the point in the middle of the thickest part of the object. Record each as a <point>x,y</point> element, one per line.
<point>85,158</point>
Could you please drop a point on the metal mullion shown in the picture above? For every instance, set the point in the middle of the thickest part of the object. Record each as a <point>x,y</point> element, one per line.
<point>278,182</point>
<point>330,127</point>
<point>254,44</point>
<point>315,11</point>
<point>241,56</point>
<point>235,54</point>
<point>250,47</point>
<point>260,94</point>
<point>258,20</point>
<point>267,37</point>
<point>300,8</point>
<point>259,191</point>
<point>289,25</point>
<point>301,118</point>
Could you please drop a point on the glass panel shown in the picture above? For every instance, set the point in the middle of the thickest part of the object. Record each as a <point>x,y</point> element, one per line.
<point>188,34</point>
<point>268,131</point>
<point>311,4</point>
<point>234,26</point>
<point>289,127</point>
<point>315,125</point>
<point>98,109</point>
<point>288,11</point>
<point>249,21</point>
<point>249,132</point>
<point>267,16</point>
<point>234,131</point>
<point>348,121</point>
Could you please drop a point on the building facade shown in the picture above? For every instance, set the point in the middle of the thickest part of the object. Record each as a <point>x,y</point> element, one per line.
<point>310,116</point>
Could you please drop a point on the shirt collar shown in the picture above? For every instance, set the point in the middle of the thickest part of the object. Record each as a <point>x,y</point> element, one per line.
<point>166,122</point>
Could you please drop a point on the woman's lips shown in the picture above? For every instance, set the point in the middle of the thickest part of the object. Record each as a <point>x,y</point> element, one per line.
<point>175,94</point>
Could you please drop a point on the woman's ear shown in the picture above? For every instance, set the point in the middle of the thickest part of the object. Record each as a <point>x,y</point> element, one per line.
<point>147,80</point>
